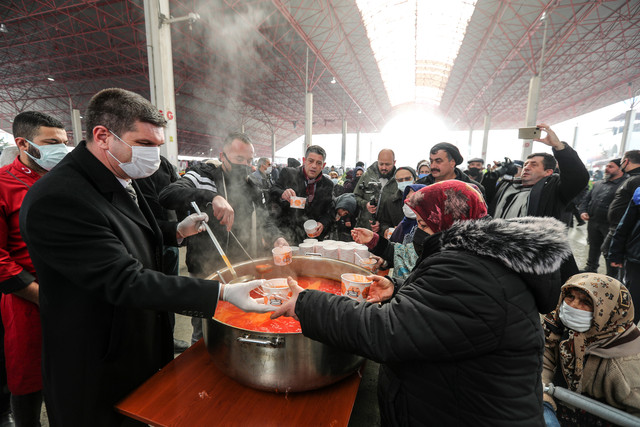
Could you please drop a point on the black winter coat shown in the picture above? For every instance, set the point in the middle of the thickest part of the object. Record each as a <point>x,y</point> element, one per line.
<point>625,243</point>
<point>103,301</point>
<point>289,220</point>
<point>597,201</point>
<point>460,342</point>
<point>621,199</point>
<point>551,195</point>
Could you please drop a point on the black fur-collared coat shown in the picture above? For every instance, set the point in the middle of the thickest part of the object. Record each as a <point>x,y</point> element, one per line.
<point>460,341</point>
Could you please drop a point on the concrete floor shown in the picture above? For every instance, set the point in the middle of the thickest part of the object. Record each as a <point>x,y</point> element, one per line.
<point>365,410</point>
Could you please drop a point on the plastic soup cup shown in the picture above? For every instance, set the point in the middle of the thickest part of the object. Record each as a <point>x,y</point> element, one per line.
<point>298,202</point>
<point>355,286</point>
<point>282,255</point>
<point>276,291</point>
<point>367,263</point>
<point>310,227</point>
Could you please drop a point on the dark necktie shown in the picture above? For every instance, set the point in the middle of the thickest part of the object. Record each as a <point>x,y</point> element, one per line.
<point>132,192</point>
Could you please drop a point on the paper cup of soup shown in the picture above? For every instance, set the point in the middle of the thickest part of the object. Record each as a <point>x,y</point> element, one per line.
<point>355,286</point>
<point>282,255</point>
<point>310,227</point>
<point>367,263</point>
<point>276,292</point>
<point>298,202</point>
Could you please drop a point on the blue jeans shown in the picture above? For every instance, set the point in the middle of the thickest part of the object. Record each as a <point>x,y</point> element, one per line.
<point>550,418</point>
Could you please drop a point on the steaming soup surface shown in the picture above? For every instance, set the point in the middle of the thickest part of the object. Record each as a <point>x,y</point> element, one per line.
<point>261,322</point>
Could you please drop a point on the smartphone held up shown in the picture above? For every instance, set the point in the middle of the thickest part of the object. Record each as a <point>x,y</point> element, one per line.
<point>529,132</point>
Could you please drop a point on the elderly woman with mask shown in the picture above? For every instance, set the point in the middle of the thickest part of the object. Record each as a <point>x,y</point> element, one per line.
<point>460,341</point>
<point>592,347</point>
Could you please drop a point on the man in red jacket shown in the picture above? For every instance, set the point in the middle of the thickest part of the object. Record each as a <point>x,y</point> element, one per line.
<point>41,141</point>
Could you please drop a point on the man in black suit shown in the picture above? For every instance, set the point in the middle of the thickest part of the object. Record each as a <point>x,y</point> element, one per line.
<point>97,250</point>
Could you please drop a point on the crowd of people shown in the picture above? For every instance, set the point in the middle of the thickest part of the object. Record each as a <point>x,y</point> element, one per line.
<point>89,272</point>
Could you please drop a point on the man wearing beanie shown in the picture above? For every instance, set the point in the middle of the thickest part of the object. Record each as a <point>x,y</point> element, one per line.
<point>594,208</point>
<point>444,158</point>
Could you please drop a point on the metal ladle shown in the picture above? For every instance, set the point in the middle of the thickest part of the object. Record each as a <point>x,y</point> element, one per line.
<point>215,242</point>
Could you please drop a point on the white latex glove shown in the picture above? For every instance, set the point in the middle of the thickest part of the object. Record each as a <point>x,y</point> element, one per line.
<point>193,224</point>
<point>238,295</point>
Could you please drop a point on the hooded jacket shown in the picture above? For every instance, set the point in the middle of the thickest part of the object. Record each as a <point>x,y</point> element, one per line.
<point>463,333</point>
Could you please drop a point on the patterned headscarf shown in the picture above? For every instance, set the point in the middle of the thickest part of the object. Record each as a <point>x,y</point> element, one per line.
<point>612,316</point>
<point>443,203</point>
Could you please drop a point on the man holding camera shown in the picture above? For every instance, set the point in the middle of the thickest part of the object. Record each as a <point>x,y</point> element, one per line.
<point>375,193</point>
<point>540,191</point>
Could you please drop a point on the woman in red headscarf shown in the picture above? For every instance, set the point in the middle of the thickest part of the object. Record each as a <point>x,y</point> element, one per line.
<point>460,340</point>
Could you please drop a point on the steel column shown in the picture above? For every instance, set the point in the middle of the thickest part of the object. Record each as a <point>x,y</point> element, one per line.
<point>485,136</point>
<point>344,143</point>
<point>532,113</point>
<point>627,130</point>
<point>160,60</point>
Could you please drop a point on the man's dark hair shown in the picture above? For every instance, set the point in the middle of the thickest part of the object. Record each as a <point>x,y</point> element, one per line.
<point>262,161</point>
<point>27,124</point>
<point>118,110</point>
<point>316,149</point>
<point>633,156</point>
<point>548,161</point>
<point>237,135</point>
<point>359,163</point>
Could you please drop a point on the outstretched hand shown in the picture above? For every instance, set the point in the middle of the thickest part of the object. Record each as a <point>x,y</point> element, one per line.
<point>551,139</point>
<point>381,289</point>
<point>361,235</point>
<point>289,308</point>
<point>238,295</point>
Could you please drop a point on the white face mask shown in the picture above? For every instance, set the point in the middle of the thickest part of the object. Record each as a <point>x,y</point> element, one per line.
<point>50,154</point>
<point>404,184</point>
<point>269,169</point>
<point>576,319</point>
<point>408,212</point>
<point>144,160</point>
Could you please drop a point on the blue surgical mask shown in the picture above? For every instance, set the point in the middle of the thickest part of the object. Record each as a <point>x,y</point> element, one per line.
<point>422,175</point>
<point>50,154</point>
<point>404,184</point>
<point>334,180</point>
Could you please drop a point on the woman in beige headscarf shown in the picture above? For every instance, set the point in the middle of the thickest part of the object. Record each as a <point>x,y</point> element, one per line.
<point>592,346</point>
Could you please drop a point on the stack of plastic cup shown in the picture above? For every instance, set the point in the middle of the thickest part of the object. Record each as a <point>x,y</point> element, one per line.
<point>295,251</point>
<point>305,248</point>
<point>318,247</point>
<point>346,252</point>
<point>362,251</point>
<point>312,241</point>
<point>330,251</point>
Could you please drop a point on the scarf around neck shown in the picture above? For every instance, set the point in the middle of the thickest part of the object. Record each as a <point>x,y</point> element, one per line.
<point>310,184</point>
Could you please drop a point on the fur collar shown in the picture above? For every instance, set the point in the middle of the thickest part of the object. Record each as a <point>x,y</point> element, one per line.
<point>530,245</point>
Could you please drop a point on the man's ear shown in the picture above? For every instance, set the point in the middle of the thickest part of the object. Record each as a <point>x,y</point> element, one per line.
<point>21,143</point>
<point>100,135</point>
<point>548,172</point>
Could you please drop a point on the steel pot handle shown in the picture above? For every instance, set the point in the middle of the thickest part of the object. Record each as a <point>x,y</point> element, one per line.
<point>275,342</point>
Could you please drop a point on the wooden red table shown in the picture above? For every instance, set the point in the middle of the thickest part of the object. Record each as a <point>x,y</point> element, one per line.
<point>192,391</point>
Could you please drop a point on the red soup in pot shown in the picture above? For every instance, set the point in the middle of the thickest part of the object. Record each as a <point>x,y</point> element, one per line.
<point>262,322</point>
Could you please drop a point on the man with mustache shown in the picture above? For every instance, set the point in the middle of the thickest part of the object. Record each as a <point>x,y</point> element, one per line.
<point>445,158</point>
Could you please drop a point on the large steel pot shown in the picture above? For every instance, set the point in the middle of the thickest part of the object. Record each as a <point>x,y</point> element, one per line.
<point>275,361</point>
